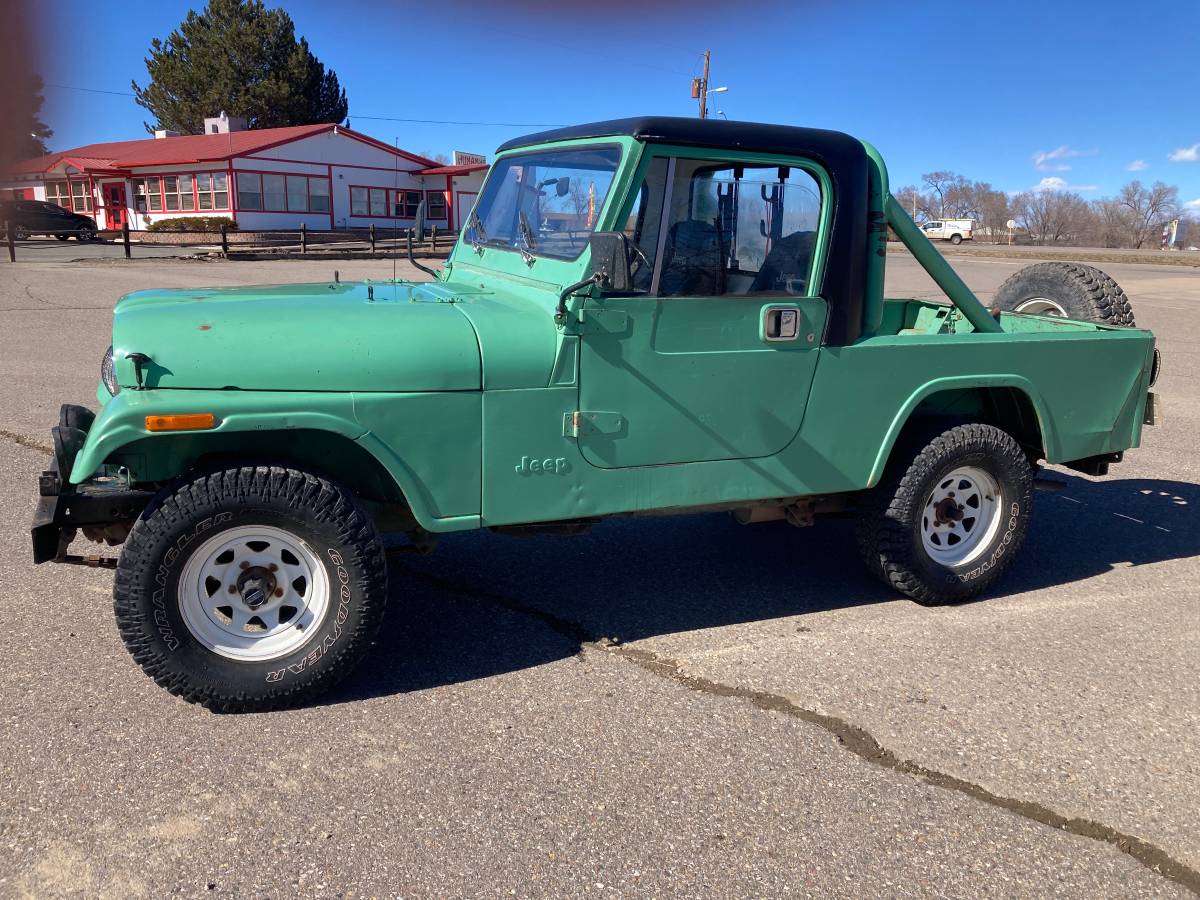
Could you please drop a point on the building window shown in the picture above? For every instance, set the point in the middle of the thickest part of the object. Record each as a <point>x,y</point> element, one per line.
<point>81,197</point>
<point>58,192</point>
<point>249,189</point>
<point>147,194</point>
<point>436,208</point>
<point>212,190</point>
<point>379,204</point>
<point>178,193</point>
<point>358,202</point>
<point>297,193</point>
<point>274,193</point>
<point>318,195</point>
<point>271,193</point>
<point>406,203</point>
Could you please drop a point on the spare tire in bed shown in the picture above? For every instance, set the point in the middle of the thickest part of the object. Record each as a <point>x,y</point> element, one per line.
<point>1066,289</point>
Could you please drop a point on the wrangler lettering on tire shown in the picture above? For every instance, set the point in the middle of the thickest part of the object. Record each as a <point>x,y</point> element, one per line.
<point>250,588</point>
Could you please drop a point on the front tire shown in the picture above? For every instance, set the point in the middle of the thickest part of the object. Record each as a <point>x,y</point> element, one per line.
<point>85,235</point>
<point>250,589</point>
<point>949,515</point>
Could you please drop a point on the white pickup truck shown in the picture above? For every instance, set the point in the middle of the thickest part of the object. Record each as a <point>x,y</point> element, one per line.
<point>953,230</point>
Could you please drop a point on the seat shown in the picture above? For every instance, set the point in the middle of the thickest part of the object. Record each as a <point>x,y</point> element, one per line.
<point>789,259</point>
<point>693,261</point>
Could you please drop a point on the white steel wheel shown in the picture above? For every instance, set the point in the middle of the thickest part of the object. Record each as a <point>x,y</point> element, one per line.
<point>1040,306</point>
<point>961,516</point>
<point>253,593</point>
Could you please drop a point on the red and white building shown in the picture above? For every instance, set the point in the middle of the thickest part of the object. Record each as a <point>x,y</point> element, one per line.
<point>324,176</point>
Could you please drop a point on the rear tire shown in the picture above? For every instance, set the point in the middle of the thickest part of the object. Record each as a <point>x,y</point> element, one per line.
<point>1066,289</point>
<point>949,515</point>
<point>250,589</point>
<point>62,237</point>
<point>956,239</point>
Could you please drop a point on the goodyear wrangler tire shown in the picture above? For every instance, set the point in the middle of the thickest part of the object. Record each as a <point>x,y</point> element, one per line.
<point>1066,289</point>
<point>949,516</point>
<point>250,588</point>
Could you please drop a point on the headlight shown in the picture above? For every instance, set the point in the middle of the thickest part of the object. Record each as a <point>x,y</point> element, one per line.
<point>107,374</point>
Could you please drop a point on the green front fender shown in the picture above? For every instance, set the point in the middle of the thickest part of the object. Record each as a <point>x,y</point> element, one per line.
<point>402,433</point>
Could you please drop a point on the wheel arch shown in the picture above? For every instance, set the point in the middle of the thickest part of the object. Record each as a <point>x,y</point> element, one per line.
<point>1009,402</point>
<point>318,432</point>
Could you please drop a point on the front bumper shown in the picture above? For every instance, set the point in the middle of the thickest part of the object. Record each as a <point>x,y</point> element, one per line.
<point>101,506</point>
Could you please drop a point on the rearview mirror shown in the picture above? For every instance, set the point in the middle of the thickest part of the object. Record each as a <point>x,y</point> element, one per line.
<point>610,257</point>
<point>563,186</point>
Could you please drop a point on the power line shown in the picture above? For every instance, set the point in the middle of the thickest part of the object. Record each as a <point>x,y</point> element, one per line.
<point>71,87</point>
<point>449,122</point>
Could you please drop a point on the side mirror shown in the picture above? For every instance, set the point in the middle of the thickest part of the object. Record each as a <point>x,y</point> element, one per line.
<point>610,257</point>
<point>563,186</point>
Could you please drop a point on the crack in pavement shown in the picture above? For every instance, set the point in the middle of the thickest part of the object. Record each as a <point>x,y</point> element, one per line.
<point>854,738</point>
<point>23,441</point>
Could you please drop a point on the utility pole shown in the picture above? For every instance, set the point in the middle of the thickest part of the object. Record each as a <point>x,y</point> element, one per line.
<point>700,89</point>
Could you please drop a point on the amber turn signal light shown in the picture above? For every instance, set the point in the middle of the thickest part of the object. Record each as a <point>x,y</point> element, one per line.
<point>183,422</point>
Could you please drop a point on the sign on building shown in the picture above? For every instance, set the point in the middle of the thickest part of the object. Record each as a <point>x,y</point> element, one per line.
<point>462,158</point>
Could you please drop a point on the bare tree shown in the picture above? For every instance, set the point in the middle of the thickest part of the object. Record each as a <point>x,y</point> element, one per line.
<point>916,204</point>
<point>993,209</point>
<point>950,194</point>
<point>1110,223</point>
<point>1148,208</point>
<point>1052,217</point>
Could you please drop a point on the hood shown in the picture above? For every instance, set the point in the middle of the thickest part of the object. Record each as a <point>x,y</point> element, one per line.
<point>349,336</point>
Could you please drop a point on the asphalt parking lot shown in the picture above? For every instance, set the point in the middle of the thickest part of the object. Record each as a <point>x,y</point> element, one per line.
<point>658,708</point>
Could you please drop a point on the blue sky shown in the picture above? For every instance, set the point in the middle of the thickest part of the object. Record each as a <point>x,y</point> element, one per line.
<point>1085,94</point>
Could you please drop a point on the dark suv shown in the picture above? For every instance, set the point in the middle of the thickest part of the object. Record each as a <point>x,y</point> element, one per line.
<point>38,217</point>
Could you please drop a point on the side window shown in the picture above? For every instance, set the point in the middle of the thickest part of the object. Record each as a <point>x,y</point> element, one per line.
<point>738,229</point>
<point>645,219</point>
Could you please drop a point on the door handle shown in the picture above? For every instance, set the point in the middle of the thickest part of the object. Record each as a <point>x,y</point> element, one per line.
<point>781,323</point>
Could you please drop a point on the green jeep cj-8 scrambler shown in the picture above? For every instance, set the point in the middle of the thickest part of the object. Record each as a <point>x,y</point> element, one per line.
<point>641,317</point>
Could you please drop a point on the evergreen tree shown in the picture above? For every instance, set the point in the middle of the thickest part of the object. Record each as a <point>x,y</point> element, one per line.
<point>240,57</point>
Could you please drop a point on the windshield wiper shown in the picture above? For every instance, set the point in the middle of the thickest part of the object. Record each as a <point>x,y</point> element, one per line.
<point>526,238</point>
<point>473,224</point>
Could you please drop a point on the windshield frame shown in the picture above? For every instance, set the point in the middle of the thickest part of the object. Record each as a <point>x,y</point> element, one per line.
<point>525,152</point>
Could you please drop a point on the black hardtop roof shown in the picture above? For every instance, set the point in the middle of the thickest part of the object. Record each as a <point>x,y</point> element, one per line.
<point>785,139</point>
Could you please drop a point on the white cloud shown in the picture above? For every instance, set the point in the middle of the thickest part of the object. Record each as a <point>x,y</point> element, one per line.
<point>1051,160</point>
<point>1138,165</point>
<point>1054,183</point>
<point>1186,154</point>
<point>1192,204</point>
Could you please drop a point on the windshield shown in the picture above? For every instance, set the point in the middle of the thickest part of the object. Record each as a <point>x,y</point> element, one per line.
<point>544,203</point>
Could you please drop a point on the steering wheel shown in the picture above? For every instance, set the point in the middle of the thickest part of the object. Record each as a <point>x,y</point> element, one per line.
<point>640,260</point>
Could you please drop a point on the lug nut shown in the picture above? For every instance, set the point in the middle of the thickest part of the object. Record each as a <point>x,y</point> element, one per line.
<point>279,592</point>
<point>273,567</point>
<point>233,589</point>
<point>243,564</point>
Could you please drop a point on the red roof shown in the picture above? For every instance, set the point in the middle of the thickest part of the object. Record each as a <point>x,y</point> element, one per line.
<point>189,148</point>
<point>453,170</point>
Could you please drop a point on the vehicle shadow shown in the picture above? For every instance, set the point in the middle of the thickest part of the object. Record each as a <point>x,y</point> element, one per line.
<point>485,605</point>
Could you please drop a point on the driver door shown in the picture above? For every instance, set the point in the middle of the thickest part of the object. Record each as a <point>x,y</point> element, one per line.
<point>714,356</point>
